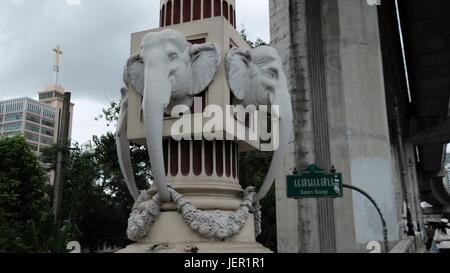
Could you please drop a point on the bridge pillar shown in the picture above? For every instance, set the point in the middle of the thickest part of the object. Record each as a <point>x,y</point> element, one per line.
<point>332,56</point>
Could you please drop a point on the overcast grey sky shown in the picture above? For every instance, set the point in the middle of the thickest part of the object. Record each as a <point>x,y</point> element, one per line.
<point>95,39</point>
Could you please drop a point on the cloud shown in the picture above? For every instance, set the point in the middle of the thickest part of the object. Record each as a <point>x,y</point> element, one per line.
<point>253,15</point>
<point>84,124</point>
<point>95,39</point>
<point>73,2</point>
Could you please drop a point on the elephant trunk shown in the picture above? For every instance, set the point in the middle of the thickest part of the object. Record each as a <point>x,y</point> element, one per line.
<point>285,132</point>
<point>156,97</point>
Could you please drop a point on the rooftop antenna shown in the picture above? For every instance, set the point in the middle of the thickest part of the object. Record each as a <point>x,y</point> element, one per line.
<point>56,68</point>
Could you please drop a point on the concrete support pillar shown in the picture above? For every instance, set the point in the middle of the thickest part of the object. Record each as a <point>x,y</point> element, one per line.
<point>331,52</point>
<point>316,66</point>
<point>295,218</point>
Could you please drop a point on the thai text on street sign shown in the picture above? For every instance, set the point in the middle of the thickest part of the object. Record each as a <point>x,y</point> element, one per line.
<point>314,183</point>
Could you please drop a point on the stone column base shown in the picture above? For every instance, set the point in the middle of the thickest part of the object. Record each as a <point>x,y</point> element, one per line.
<point>170,234</point>
<point>196,247</point>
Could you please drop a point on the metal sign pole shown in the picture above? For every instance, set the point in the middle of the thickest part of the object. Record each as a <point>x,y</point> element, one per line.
<point>383,221</point>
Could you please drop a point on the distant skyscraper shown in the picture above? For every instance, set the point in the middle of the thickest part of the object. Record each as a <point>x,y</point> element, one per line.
<point>38,121</point>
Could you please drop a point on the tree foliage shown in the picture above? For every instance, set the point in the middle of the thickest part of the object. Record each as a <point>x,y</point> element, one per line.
<point>111,114</point>
<point>25,213</point>
<point>253,167</point>
<point>96,199</point>
<point>259,42</point>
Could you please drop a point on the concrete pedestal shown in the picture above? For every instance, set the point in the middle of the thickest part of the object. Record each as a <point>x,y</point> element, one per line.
<point>170,234</point>
<point>205,172</point>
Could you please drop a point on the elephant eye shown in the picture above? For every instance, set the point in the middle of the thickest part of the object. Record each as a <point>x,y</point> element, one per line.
<point>273,73</point>
<point>173,56</point>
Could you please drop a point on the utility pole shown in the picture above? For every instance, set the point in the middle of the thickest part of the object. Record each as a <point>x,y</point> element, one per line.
<point>403,176</point>
<point>62,146</point>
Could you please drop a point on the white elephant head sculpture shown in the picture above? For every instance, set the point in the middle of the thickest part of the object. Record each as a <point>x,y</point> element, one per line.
<point>256,77</point>
<point>168,71</point>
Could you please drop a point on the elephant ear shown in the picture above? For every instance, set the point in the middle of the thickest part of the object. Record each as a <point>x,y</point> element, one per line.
<point>205,64</point>
<point>238,69</point>
<point>134,74</point>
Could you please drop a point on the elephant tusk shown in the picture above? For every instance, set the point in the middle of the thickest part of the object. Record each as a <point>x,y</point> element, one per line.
<point>286,119</point>
<point>123,150</point>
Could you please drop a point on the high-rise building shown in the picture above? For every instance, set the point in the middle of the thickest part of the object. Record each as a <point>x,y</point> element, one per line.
<point>37,120</point>
<point>53,95</point>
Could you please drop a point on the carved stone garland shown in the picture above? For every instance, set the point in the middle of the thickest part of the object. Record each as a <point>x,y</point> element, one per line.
<point>217,225</point>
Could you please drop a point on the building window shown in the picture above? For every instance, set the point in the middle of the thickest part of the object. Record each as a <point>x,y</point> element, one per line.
<point>234,160</point>
<point>197,41</point>
<point>45,140</point>
<point>11,134</point>
<point>1,118</point>
<point>209,158</point>
<point>219,158</point>
<point>43,148</point>
<point>47,132</point>
<point>48,123</point>
<point>34,108</point>
<point>163,15</point>
<point>169,13</point>
<point>231,15</point>
<point>176,12</point>
<point>217,8</point>
<point>32,137</point>
<point>173,157</point>
<point>13,117</point>
<point>14,107</point>
<point>185,157</point>
<point>225,9</point>
<point>206,8</point>
<point>44,96</point>
<point>197,9</point>
<point>228,158</point>
<point>197,161</point>
<point>13,127</point>
<point>34,147</point>
<point>187,11</point>
<point>49,113</point>
<point>33,118</point>
<point>32,127</point>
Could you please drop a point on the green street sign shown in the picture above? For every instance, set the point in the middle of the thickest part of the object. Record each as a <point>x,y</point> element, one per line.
<point>314,183</point>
